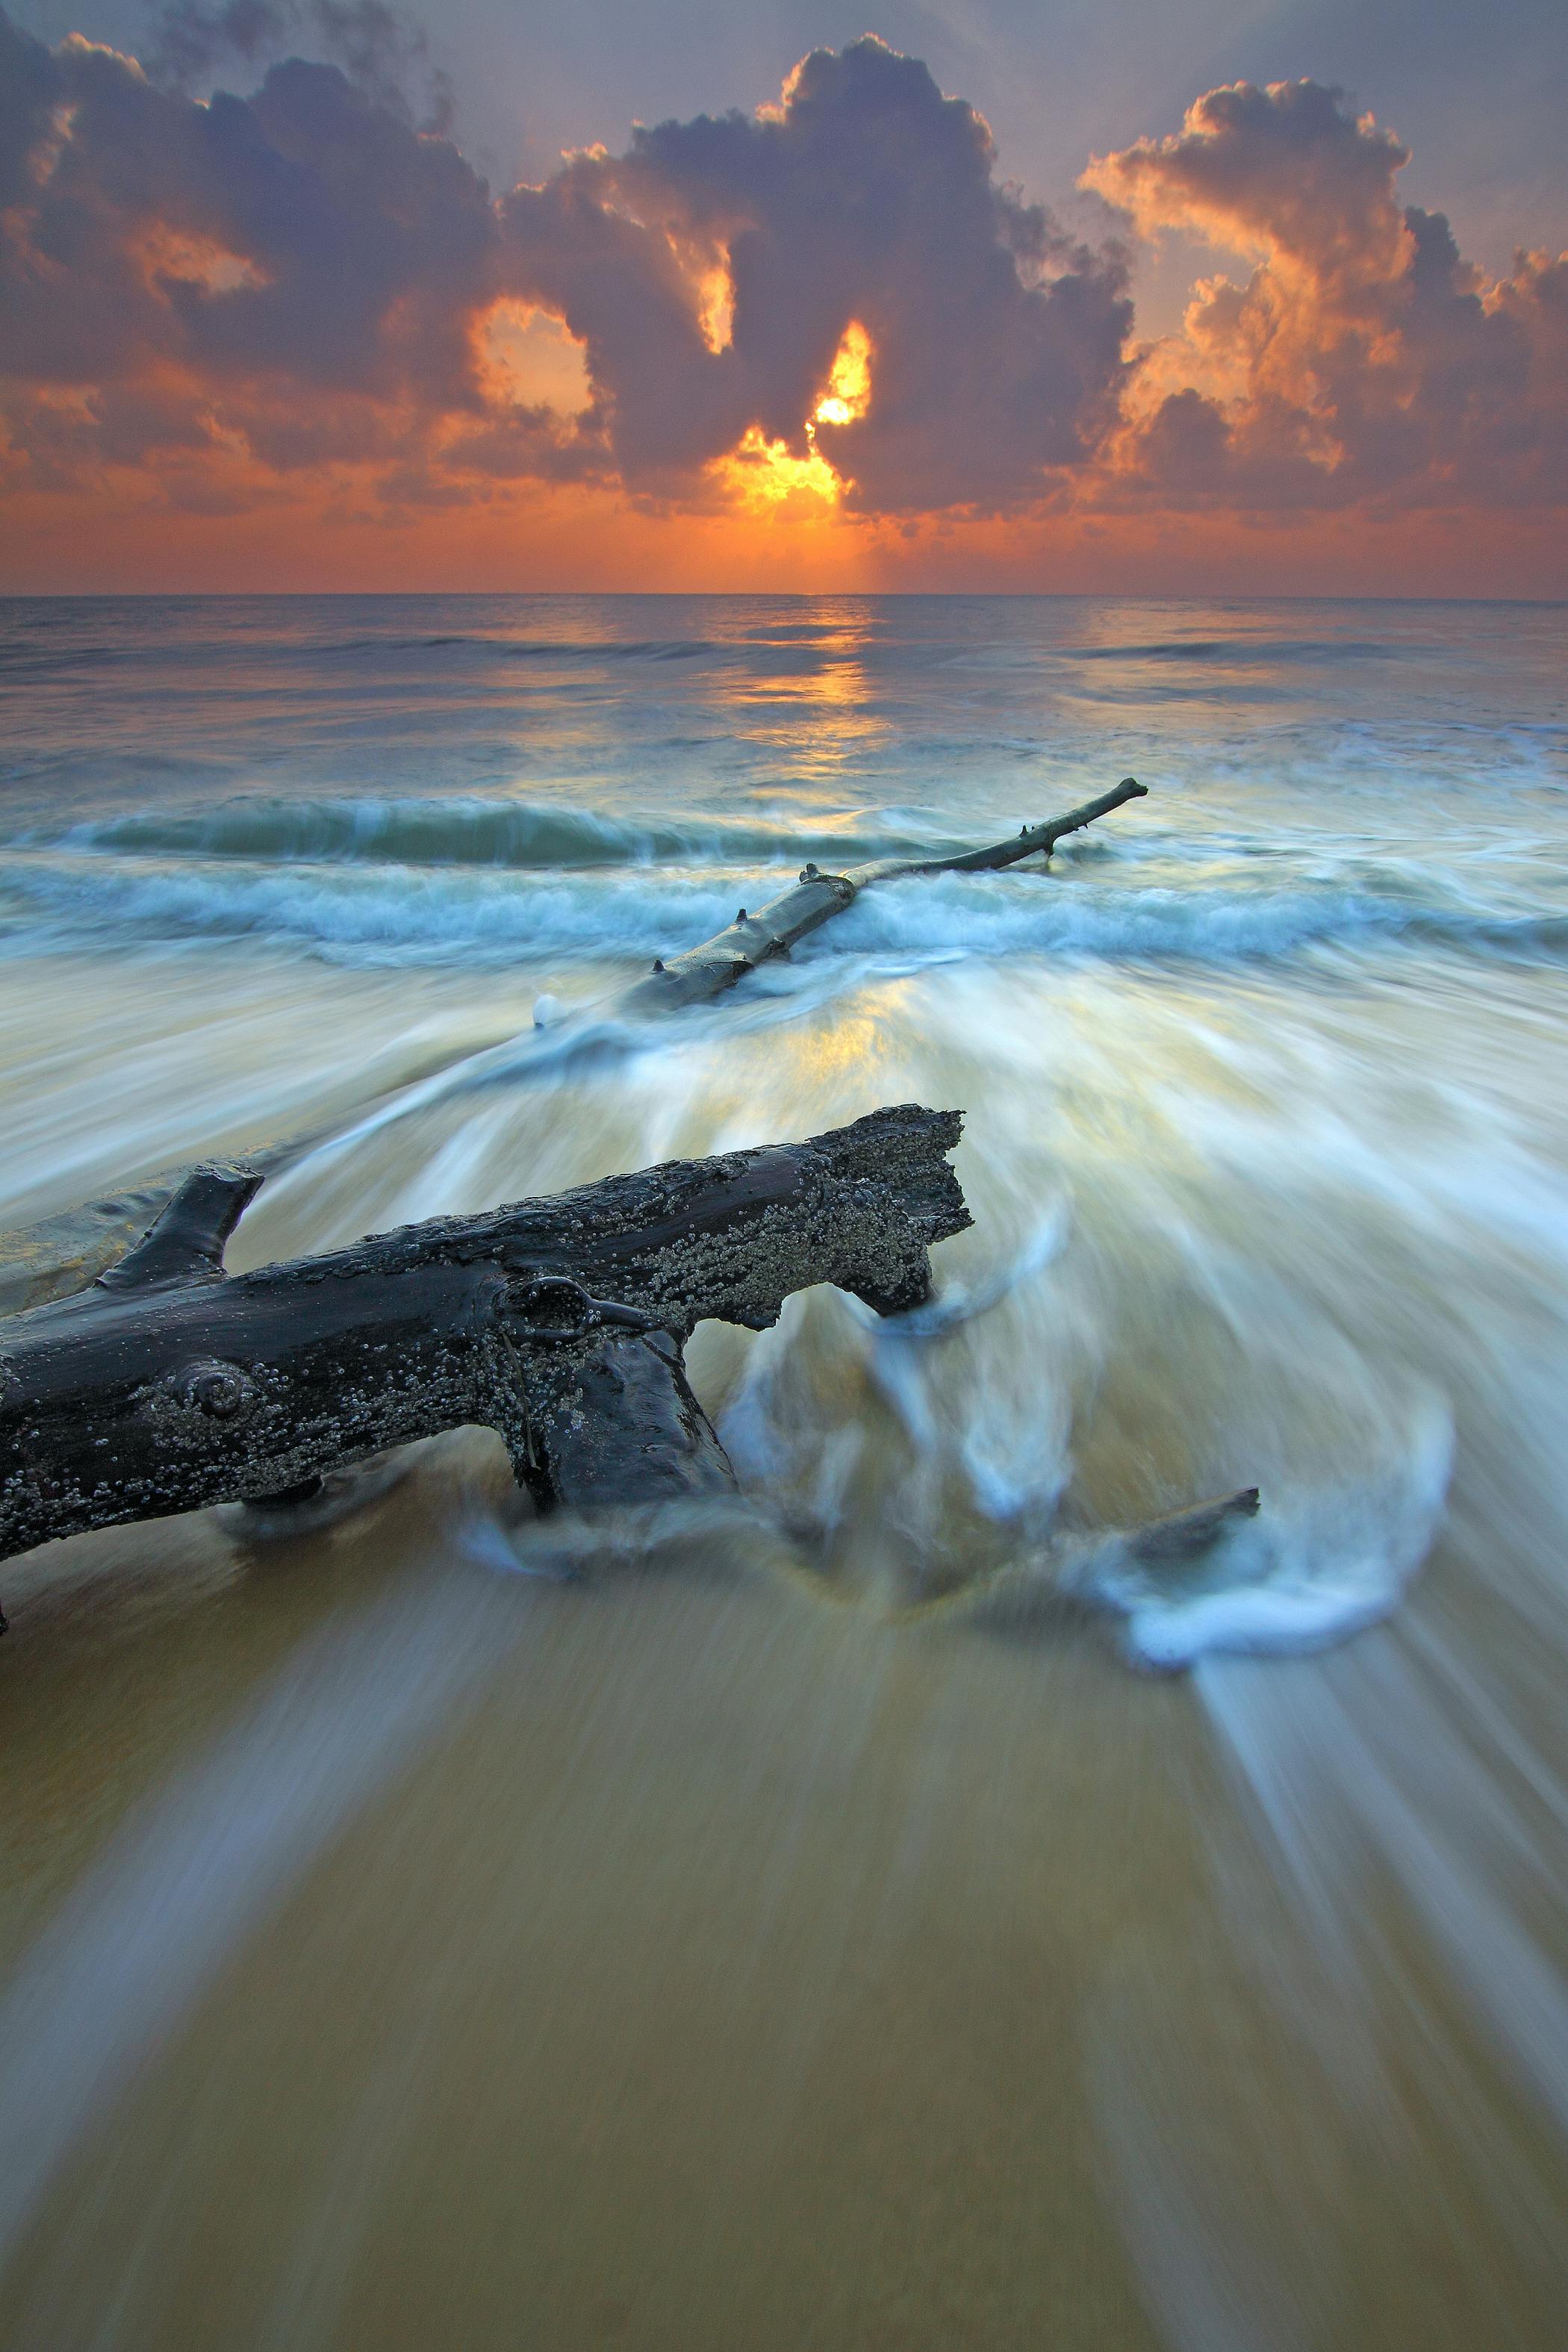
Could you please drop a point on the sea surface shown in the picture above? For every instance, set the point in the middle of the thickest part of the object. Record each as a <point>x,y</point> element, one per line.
<point>736,1940</point>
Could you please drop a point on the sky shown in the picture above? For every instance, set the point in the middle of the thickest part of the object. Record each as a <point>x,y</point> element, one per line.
<point>989,295</point>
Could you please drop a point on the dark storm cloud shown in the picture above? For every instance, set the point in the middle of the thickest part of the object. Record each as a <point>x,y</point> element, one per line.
<point>867,198</point>
<point>231,293</point>
<point>303,233</point>
<point>290,279</point>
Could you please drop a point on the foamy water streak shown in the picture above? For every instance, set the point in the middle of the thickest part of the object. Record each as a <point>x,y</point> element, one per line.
<point>1402,1805</point>
<point>1224,909</point>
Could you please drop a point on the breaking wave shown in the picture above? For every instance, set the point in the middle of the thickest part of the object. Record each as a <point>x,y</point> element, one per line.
<point>948,914</point>
<point>464,830</point>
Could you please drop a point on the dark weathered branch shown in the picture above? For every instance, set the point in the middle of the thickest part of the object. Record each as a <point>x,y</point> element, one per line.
<point>707,970</point>
<point>1029,841</point>
<point>168,1385</point>
<point>1182,1537</point>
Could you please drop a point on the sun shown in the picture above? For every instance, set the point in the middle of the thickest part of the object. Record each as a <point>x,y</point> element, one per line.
<point>768,478</point>
<point>848,393</point>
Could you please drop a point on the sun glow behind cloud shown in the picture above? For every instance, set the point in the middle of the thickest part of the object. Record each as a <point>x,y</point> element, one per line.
<point>848,396</point>
<point>173,257</point>
<point>716,309</point>
<point>766,477</point>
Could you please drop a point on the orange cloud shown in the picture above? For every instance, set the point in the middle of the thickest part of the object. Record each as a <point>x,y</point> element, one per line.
<point>1361,360</point>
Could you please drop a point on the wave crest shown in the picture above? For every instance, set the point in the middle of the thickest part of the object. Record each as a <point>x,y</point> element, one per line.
<point>461,830</point>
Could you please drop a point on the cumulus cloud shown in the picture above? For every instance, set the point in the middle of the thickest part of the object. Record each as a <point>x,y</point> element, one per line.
<point>223,300</point>
<point>258,285</point>
<point>867,198</point>
<point>1362,358</point>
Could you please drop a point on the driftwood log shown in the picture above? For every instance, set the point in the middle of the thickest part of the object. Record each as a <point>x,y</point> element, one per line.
<point>751,940</point>
<point>560,1323</point>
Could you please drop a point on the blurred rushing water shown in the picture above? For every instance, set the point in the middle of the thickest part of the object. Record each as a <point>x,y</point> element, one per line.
<point>407,1946</point>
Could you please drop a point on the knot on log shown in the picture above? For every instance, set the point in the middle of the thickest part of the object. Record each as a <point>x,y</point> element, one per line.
<point>554,1310</point>
<point>217,1391</point>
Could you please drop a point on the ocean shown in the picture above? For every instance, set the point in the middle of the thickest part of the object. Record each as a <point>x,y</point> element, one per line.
<point>409,1945</point>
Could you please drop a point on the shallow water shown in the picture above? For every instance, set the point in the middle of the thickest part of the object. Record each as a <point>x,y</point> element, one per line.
<point>407,1946</point>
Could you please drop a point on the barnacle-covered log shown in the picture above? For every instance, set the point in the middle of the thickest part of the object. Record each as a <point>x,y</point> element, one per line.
<point>169,1385</point>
